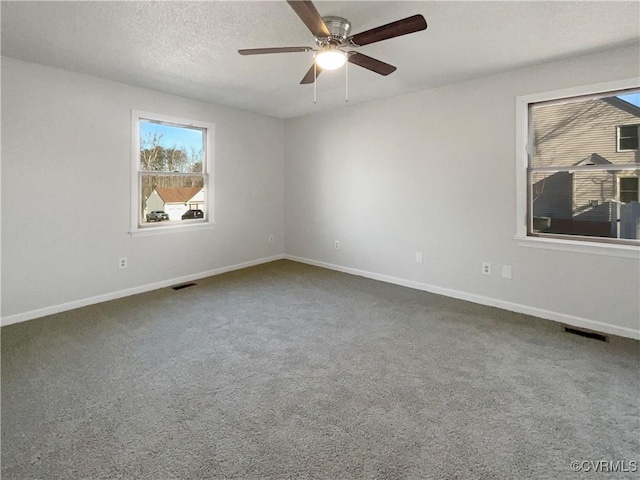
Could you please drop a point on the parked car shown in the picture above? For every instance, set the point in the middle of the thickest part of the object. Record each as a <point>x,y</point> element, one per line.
<point>157,216</point>
<point>191,214</point>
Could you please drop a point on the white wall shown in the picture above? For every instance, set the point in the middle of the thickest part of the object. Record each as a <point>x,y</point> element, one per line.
<point>66,156</point>
<point>434,172</point>
<point>387,179</point>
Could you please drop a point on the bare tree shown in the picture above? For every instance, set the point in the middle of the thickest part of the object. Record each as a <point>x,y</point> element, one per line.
<point>151,151</point>
<point>175,159</point>
<point>195,159</point>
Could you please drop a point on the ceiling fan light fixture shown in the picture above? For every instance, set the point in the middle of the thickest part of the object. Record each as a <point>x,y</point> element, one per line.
<point>331,59</point>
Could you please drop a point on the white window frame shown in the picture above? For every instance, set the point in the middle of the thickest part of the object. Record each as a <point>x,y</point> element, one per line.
<point>139,230</point>
<point>522,162</point>
<point>618,149</point>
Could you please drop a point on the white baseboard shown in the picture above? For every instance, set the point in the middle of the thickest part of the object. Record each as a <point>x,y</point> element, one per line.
<point>482,300</point>
<point>63,307</point>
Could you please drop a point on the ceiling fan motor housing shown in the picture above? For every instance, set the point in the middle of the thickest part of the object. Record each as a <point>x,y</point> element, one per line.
<point>339,29</point>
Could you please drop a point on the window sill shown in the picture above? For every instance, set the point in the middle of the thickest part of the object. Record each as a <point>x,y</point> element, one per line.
<point>593,248</point>
<point>150,231</point>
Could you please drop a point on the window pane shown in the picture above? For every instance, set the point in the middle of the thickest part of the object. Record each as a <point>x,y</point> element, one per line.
<point>629,143</point>
<point>629,189</point>
<point>629,183</point>
<point>584,203</point>
<point>584,132</point>
<point>171,198</point>
<point>627,131</point>
<point>171,148</point>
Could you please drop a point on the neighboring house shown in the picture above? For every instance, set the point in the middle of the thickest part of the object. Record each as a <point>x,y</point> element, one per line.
<point>175,201</point>
<point>596,134</point>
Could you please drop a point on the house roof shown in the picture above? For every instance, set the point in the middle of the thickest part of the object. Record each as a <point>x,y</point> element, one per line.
<point>594,159</point>
<point>624,105</point>
<point>177,194</point>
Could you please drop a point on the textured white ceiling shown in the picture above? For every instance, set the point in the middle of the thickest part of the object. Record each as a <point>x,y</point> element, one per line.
<point>190,48</point>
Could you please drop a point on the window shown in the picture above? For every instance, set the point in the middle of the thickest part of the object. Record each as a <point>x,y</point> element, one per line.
<point>628,137</point>
<point>579,167</point>
<point>171,165</point>
<point>629,189</point>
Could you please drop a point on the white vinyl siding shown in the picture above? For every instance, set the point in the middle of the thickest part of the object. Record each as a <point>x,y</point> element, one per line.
<point>568,133</point>
<point>594,196</point>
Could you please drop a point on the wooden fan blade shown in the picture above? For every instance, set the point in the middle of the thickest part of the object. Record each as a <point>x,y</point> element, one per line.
<point>308,78</point>
<point>261,51</point>
<point>390,30</point>
<point>310,17</point>
<point>371,63</point>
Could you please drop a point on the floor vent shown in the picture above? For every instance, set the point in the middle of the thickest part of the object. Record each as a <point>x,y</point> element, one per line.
<point>582,333</point>
<point>184,285</point>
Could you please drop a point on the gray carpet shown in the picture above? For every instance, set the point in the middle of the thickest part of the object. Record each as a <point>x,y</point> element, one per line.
<point>291,371</point>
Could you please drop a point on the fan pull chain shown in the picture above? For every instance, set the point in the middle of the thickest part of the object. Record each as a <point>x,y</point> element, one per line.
<point>315,79</point>
<point>346,81</point>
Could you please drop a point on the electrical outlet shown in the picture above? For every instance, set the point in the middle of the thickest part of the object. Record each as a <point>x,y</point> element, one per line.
<point>122,262</point>
<point>506,271</point>
<point>336,245</point>
<point>486,268</point>
<point>271,238</point>
<point>418,257</point>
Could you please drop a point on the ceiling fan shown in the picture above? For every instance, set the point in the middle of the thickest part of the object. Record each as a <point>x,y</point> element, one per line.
<point>332,37</point>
